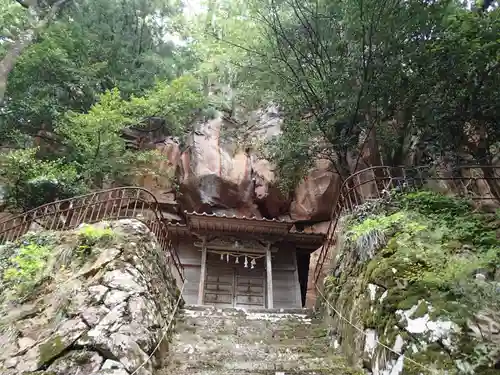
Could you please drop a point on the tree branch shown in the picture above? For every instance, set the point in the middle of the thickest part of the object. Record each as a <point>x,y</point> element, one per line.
<point>23,4</point>
<point>23,42</point>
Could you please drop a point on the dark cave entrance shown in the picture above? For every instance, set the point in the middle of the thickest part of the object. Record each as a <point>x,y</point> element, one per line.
<point>303,258</point>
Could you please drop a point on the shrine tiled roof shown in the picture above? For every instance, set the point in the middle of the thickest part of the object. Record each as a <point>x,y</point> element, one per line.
<point>203,222</point>
<point>252,218</point>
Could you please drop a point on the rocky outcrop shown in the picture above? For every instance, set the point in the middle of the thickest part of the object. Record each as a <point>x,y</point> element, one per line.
<point>219,170</point>
<point>314,196</point>
<point>214,176</point>
<point>95,300</point>
<point>413,287</point>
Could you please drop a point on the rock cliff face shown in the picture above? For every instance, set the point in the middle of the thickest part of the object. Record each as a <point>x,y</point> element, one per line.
<point>414,287</point>
<point>90,301</point>
<point>218,172</point>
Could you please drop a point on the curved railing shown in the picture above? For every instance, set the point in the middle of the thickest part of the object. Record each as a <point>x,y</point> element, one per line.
<point>372,183</point>
<point>111,204</point>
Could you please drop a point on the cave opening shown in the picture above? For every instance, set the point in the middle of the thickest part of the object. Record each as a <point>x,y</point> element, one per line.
<point>303,258</point>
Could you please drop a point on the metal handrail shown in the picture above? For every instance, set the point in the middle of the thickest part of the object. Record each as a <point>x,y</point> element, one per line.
<point>380,179</point>
<point>111,204</point>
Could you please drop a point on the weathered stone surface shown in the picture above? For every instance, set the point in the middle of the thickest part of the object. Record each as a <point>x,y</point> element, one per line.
<point>65,335</point>
<point>230,341</point>
<point>93,314</point>
<point>123,281</point>
<point>268,197</point>
<point>115,297</point>
<point>25,343</point>
<point>113,372</point>
<point>385,288</point>
<point>104,318</point>
<point>77,362</point>
<point>107,255</point>
<point>111,365</point>
<point>160,183</point>
<point>212,176</point>
<point>313,198</point>
<point>97,293</point>
<point>221,170</point>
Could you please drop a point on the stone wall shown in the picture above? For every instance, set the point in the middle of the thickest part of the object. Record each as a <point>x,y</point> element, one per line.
<point>415,290</point>
<point>97,302</point>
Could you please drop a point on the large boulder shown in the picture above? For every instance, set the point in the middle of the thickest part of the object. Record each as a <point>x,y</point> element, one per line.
<point>219,175</point>
<point>271,201</point>
<point>214,176</point>
<point>314,196</point>
<point>160,182</point>
<point>94,300</point>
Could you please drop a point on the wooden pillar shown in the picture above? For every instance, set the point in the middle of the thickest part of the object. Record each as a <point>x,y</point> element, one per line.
<point>269,270</point>
<point>203,272</point>
<point>298,289</point>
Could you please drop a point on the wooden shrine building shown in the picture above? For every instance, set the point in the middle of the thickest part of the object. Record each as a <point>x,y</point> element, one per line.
<point>243,262</point>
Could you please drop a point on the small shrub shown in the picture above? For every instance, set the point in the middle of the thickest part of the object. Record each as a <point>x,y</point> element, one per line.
<point>89,236</point>
<point>31,182</point>
<point>26,267</point>
<point>431,203</point>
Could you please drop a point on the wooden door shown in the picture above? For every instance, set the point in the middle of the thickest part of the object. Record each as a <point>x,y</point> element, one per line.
<point>250,288</point>
<point>219,283</point>
<point>232,285</point>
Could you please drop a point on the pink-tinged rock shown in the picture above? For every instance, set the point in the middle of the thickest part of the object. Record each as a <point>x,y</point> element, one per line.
<point>213,176</point>
<point>318,228</point>
<point>271,201</point>
<point>314,196</point>
<point>160,182</point>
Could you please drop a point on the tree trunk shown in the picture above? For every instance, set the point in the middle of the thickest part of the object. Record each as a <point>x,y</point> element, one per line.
<point>10,59</point>
<point>25,39</point>
<point>493,181</point>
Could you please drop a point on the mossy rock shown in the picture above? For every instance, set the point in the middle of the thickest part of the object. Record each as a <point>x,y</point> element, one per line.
<point>435,246</point>
<point>50,349</point>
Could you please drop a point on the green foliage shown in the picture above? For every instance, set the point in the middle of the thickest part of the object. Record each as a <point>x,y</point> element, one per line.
<point>292,153</point>
<point>95,153</point>
<point>435,244</point>
<point>435,204</point>
<point>12,21</point>
<point>344,72</point>
<point>94,139</point>
<point>433,248</point>
<point>94,46</point>
<point>25,267</point>
<point>30,182</point>
<point>90,235</point>
<point>371,234</point>
<point>177,102</point>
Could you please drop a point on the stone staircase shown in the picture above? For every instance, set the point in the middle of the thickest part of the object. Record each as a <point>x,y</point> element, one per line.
<point>209,341</point>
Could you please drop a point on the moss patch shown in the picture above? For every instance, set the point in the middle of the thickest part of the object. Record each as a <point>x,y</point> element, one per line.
<point>50,349</point>
<point>424,249</point>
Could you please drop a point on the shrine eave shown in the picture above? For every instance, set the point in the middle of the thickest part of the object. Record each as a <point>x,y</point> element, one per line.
<point>203,223</point>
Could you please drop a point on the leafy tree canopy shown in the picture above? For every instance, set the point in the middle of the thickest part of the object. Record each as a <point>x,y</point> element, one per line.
<point>416,81</point>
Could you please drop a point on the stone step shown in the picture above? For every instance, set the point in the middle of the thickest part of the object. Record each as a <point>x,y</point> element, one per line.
<point>255,342</point>
<point>253,334</point>
<point>265,372</point>
<point>251,367</point>
<point>216,310</point>
<point>269,315</point>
